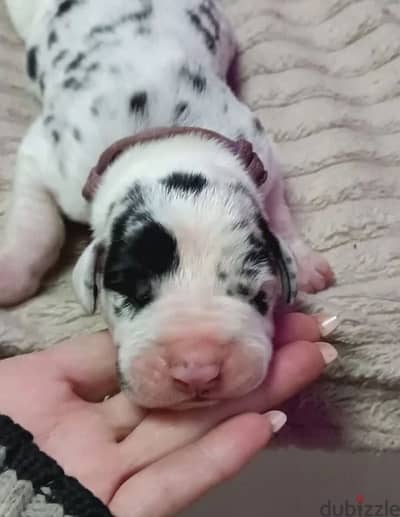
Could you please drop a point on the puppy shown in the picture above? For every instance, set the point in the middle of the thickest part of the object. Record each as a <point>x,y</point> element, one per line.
<point>193,243</point>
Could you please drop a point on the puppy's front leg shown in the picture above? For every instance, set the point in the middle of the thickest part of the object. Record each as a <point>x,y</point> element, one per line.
<point>314,271</point>
<point>34,231</point>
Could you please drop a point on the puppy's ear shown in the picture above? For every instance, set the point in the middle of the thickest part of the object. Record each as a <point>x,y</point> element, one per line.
<point>86,276</point>
<point>287,269</point>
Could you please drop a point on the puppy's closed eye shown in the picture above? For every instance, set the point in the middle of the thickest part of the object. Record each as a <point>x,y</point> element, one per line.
<point>131,281</point>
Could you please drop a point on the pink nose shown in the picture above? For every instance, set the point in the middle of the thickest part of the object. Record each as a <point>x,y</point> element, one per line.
<point>198,378</point>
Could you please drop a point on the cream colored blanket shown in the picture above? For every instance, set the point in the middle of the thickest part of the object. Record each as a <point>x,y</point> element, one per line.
<point>324,76</point>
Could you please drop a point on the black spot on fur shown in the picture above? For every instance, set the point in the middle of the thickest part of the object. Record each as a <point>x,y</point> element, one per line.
<point>52,39</point>
<point>97,105</point>
<point>225,108</point>
<point>93,67</point>
<point>243,290</point>
<point>260,303</point>
<point>255,241</point>
<point>76,62</point>
<point>135,200</point>
<point>59,57</point>
<point>199,83</point>
<point>249,272</point>
<point>118,309</point>
<point>258,126</point>
<point>146,11</point>
<point>181,111</point>
<point>143,31</point>
<point>207,9</point>
<point>197,80</point>
<point>209,38</point>
<point>49,119</point>
<point>56,136</point>
<point>65,6</point>
<point>222,276</point>
<point>139,16</point>
<point>101,29</point>
<point>187,182</point>
<point>42,84</point>
<point>138,103</point>
<point>72,84</point>
<point>77,134</point>
<point>139,260</point>
<point>31,65</point>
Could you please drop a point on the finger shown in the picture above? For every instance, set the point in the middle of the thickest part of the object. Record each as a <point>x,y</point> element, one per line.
<point>182,477</point>
<point>121,415</point>
<point>296,326</point>
<point>88,363</point>
<point>294,366</point>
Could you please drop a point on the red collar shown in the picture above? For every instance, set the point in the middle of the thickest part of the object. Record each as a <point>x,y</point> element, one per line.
<point>241,148</point>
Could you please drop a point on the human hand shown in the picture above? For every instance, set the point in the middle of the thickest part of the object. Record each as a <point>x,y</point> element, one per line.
<point>149,463</point>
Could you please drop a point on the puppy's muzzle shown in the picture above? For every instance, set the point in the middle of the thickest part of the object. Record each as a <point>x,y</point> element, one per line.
<point>195,370</point>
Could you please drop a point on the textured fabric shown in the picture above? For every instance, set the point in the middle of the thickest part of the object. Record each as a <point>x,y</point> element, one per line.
<point>33,485</point>
<point>324,76</point>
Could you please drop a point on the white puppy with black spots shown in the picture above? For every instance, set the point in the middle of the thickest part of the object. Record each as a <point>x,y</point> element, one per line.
<point>190,250</point>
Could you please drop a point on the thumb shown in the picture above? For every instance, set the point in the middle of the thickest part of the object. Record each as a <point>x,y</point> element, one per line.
<point>168,486</point>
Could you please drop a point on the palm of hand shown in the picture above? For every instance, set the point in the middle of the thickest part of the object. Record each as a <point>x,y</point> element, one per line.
<point>116,449</point>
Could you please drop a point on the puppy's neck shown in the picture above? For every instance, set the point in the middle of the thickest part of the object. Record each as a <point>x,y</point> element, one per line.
<point>152,162</point>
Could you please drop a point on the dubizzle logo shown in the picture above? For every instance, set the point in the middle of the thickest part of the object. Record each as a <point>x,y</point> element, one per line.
<point>359,508</point>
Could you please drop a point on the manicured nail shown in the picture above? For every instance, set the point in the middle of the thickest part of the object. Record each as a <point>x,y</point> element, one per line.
<point>327,323</point>
<point>277,420</point>
<point>329,353</point>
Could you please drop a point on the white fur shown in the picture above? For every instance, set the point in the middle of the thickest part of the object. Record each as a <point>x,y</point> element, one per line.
<point>87,75</point>
<point>178,153</point>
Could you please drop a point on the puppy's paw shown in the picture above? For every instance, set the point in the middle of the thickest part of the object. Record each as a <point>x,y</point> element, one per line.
<point>17,283</point>
<point>314,272</point>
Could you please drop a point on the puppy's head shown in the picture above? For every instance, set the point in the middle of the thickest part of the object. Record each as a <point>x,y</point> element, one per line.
<point>187,276</point>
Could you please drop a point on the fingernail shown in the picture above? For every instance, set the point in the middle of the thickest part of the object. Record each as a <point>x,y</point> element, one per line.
<point>327,323</point>
<point>277,419</point>
<point>329,353</point>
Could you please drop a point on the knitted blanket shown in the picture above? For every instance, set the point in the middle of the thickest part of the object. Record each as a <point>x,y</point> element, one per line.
<point>33,485</point>
<point>324,76</point>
